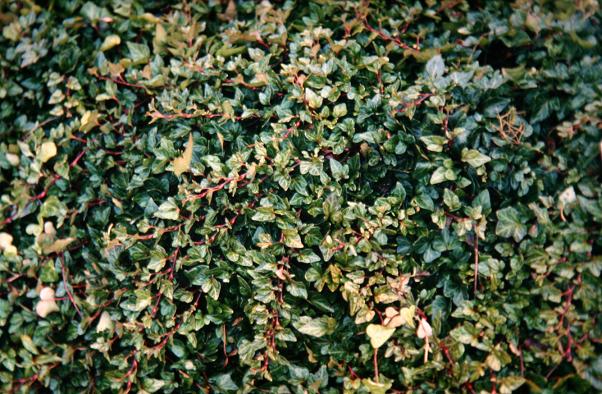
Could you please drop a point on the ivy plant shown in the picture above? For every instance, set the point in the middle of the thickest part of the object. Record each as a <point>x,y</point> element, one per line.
<point>301,196</point>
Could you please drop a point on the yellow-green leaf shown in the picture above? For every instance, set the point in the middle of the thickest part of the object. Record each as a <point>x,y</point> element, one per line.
<point>377,387</point>
<point>47,151</point>
<point>58,246</point>
<point>493,362</point>
<point>88,121</point>
<point>292,238</point>
<point>379,334</point>
<point>405,316</point>
<point>28,344</point>
<point>110,42</point>
<point>408,315</point>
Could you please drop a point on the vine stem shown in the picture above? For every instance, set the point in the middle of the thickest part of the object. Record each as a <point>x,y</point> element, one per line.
<point>66,285</point>
<point>225,340</point>
<point>476,258</point>
<point>375,361</point>
<point>42,194</point>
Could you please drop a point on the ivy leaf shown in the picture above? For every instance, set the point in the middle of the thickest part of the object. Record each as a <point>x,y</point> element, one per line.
<point>343,169</point>
<point>168,210</point>
<point>292,238</point>
<point>6,241</point>
<point>105,323</point>
<point>508,384</point>
<point>58,246</point>
<point>297,289</point>
<point>264,214</point>
<point>47,151</point>
<point>139,53</point>
<point>88,121</point>
<point>404,316</point>
<point>338,170</point>
<point>339,110</point>
<point>424,329</point>
<point>110,42</point>
<point>509,224</point>
<point>434,143</point>
<point>435,67</point>
<point>379,334</point>
<point>223,383</point>
<point>483,201</point>
<point>143,300</point>
<point>47,303</point>
<point>29,345</point>
<point>425,201</point>
<point>474,157</point>
<point>377,387</point>
<point>438,176</point>
<point>493,362</point>
<point>316,327</point>
<point>314,100</point>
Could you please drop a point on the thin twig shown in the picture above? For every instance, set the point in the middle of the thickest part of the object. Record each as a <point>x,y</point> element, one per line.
<point>225,339</point>
<point>375,362</point>
<point>476,258</point>
<point>119,81</point>
<point>66,285</point>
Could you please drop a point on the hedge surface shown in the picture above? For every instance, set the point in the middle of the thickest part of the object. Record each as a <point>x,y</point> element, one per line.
<point>303,197</point>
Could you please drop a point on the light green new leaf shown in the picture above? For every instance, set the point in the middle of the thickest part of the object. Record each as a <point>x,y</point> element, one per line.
<point>509,224</point>
<point>434,143</point>
<point>139,53</point>
<point>474,157</point>
<point>168,210</point>
<point>317,327</point>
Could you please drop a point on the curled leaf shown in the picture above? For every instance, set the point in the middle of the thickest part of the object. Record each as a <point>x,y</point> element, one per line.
<point>110,42</point>
<point>424,329</point>
<point>6,240</point>
<point>47,304</point>
<point>182,164</point>
<point>44,308</point>
<point>47,294</point>
<point>58,246</point>
<point>105,323</point>
<point>88,121</point>
<point>404,316</point>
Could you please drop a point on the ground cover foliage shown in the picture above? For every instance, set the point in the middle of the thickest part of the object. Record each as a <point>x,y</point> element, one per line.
<point>300,196</point>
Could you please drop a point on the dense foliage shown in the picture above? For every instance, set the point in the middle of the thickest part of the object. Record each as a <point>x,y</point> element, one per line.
<point>301,196</point>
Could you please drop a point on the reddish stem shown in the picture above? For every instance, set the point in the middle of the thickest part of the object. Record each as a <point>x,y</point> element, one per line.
<point>476,258</point>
